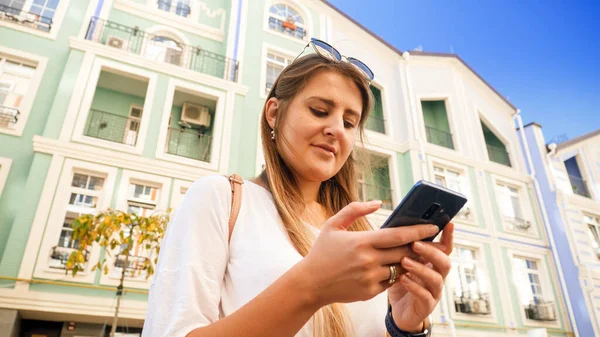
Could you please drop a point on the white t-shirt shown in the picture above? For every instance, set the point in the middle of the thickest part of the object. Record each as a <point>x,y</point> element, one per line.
<point>200,277</point>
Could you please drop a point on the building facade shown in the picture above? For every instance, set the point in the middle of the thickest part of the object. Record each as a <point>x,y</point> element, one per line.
<point>124,103</point>
<point>568,174</point>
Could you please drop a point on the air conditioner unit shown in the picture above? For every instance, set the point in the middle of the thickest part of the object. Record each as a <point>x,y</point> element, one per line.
<point>477,306</point>
<point>116,42</point>
<point>173,56</point>
<point>195,114</point>
<point>546,311</point>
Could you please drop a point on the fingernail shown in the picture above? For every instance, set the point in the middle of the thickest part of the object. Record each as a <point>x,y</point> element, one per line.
<point>418,247</point>
<point>433,229</point>
<point>408,262</point>
<point>374,203</point>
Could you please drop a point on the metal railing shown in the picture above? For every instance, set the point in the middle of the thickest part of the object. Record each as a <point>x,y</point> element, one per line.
<point>439,137</point>
<point>112,127</point>
<point>61,256</point>
<point>498,155</point>
<point>543,311</point>
<point>368,192</point>
<point>135,264</point>
<point>136,41</point>
<point>518,223</point>
<point>477,304</point>
<point>175,7</point>
<point>376,124</point>
<point>286,28</point>
<point>189,143</point>
<point>25,18</point>
<point>8,115</point>
<point>579,186</point>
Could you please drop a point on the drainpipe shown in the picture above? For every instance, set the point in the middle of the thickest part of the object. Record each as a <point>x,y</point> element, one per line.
<point>517,117</point>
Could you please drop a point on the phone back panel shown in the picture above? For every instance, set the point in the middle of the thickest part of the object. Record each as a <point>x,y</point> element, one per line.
<point>418,202</point>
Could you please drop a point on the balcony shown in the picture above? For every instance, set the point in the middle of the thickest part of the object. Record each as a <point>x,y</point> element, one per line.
<point>189,143</point>
<point>60,255</point>
<point>8,115</point>
<point>498,155</point>
<point>161,49</point>
<point>368,192</point>
<point>439,137</point>
<point>135,265</point>
<point>518,224</point>
<point>287,28</point>
<point>579,186</point>
<point>476,305</point>
<point>376,124</point>
<point>543,311</point>
<point>175,7</point>
<point>25,18</point>
<point>112,127</point>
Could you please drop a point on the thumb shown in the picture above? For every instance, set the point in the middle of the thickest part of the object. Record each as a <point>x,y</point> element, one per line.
<point>345,217</point>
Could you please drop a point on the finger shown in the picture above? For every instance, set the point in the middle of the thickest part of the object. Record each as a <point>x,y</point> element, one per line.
<point>400,236</point>
<point>431,279</point>
<point>417,290</point>
<point>448,238</point>
<point>394,255</point>
<point>439,260</point>
<point>344,218</point>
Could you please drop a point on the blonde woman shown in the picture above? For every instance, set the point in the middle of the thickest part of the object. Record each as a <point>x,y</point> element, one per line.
<point>302,259</point>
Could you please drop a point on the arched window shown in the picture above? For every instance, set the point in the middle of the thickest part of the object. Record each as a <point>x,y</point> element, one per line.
<point>286,20</point>
<point>178,7</point>
<point>164,49</point>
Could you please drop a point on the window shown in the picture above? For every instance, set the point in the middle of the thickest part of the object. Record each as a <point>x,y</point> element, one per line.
<point>578,185</point>
<point>34,13</point>
<point>528,282</point>
<point>85,191</point>
<point>142,199</point>
<point>593,223</point>
<point>275,65</point>
<point>437,128</point>
<point>453,180</point>
<point>495,147</point>
<point>286,20</point>
<point>509,202</point>
<point>15,77</point>
<point>375,122</point>
<point>164,49</point>
<point>178,7</point>
<point>375,184</point>
<point>471,294</point>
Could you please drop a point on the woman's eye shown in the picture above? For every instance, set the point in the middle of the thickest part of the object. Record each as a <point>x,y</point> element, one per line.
<point>348,125</point>
<point>318,113</point>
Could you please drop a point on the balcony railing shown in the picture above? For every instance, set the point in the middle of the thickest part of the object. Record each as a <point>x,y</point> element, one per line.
<point>60,255</point>
<point>25,18</point>
<point>439,137</point>
<point>373,192</point>
<point>287,28</point>
<point>518,224</point>
<point>189,143</point>
<point>543,311</point>
<point>136,41</point>
<point>135,264</point>
<point>498,155</point>
<point>8,115</point>
<point>579,186</point>
<point>174,6</point>
<point>478,304</point>
<point>112,127</point>
<point>376,124</point>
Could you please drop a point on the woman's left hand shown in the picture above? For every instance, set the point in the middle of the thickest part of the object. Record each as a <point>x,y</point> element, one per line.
<point>416,293</point>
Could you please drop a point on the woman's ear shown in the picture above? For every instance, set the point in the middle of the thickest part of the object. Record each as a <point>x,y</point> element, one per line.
<point>272,111</point>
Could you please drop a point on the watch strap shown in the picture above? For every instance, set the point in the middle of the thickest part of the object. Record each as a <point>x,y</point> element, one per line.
<point>394,331</point>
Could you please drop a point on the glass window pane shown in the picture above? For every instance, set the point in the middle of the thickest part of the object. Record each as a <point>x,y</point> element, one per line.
<point>96,183</point>
<point>79,180</point>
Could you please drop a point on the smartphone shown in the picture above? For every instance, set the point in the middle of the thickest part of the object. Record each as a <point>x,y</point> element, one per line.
<point>426,203</point>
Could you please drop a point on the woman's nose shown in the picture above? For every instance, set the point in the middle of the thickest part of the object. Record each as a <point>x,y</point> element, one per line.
<point>334,127</point>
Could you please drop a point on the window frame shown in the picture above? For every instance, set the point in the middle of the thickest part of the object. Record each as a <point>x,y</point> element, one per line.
<point>594,222</point>
<point>58,212</point>
<point>270,49</point>
<point>507,145</point>
<point>301,10</point>
<point>448,103</point>
<point>176,195</point>
<point>34,83</point>
<point>526,207</point>
<point>127,178</point>
<point>57,20</point>
<point>5,164</point>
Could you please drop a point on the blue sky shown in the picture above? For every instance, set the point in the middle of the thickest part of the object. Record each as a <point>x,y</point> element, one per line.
<point>542,55</point>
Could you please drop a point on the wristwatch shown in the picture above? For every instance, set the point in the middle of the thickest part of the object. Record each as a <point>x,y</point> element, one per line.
<point>395,331</point>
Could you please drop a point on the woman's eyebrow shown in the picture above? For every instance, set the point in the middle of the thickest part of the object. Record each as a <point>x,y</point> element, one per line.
<point>332,104</point>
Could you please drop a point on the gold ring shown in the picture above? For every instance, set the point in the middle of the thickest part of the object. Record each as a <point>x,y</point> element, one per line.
<point>393,274</point>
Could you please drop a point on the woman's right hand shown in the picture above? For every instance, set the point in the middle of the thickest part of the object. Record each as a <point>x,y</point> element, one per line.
<point>349,266</point>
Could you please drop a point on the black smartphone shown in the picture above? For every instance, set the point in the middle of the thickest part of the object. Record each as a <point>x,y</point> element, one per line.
<point>426,203</point>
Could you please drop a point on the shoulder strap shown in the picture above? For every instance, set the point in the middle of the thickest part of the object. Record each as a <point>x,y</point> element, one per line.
<point>236,200</point>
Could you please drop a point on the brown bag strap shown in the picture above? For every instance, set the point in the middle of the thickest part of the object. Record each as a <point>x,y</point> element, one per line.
<point>236,200</point>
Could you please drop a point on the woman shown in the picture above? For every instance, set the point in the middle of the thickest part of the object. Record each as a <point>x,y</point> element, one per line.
<point>302,259</point>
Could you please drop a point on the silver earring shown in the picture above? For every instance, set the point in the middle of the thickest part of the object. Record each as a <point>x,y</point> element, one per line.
<point>273,134</point>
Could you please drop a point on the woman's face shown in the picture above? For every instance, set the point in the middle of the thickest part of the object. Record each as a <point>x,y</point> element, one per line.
<point>321,126</point>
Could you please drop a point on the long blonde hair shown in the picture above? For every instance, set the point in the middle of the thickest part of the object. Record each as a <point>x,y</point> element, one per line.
<point>335,193</point>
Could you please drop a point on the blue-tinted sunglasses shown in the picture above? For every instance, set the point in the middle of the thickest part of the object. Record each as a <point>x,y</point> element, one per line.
<point>326,51</point>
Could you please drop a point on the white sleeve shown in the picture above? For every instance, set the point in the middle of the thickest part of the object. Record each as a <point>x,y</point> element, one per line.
<point>186,288</point>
